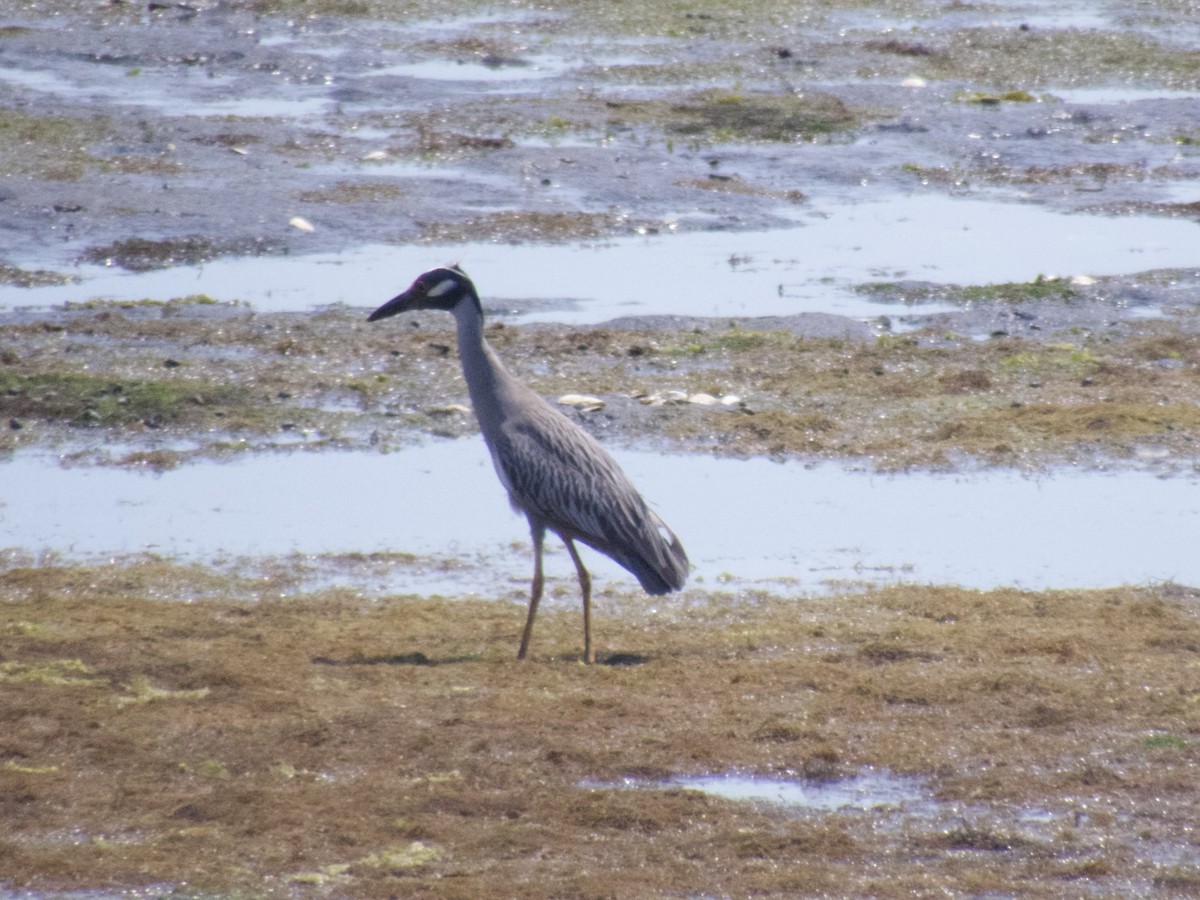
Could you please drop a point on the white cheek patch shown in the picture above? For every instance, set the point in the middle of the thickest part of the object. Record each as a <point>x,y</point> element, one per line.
<point>440,288</point>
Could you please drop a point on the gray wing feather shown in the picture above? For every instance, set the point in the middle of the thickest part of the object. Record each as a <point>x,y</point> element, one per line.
<point>560,475</point>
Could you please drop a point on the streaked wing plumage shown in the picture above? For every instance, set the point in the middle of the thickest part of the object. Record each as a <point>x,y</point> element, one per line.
<point>562,476</point>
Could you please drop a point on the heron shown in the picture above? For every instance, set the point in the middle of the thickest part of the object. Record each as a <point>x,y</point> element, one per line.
<point>554,471</point>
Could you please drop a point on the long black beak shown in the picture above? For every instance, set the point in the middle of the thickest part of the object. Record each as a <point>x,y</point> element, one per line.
<point>397,304</point>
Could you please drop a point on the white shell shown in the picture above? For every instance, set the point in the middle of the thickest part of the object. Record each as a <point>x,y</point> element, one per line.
<point>582,402</point>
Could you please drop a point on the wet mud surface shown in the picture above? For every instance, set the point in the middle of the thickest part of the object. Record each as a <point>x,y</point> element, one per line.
<point>233,727</point>
<point>126,126</point>
<point>168,383</point>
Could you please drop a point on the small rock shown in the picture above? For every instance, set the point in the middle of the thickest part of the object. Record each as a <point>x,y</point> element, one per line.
<point>582,402</point>
<point>302,224</point>
<point>659,399</point>
<point>451,409</point>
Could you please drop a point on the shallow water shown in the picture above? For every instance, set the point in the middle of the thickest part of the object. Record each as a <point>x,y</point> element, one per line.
<point>868,790</point>
<point>784,525</point>
<point>808,268</point>
<point>210,95</point>
<point>1109,95</point>
<point>474,70</point>
<point>1063,16</point>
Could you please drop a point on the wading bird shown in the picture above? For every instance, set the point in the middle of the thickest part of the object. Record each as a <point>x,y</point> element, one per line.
<point>554,471</point>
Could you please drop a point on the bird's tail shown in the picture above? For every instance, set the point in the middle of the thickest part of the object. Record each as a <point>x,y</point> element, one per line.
<point>659,561</point>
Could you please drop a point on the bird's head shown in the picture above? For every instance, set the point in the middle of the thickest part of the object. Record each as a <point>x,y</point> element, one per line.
<point>442,288</point>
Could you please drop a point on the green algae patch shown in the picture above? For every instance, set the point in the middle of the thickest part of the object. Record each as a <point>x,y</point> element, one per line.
<point>175,303</point>
<point>1084,175</point>
<point>403,858</point>
<point>1040,288</point>
<point>32,277</point>
<point>1063,358</point>
<point>90,401</point>
<point>479,774</point>
<point>141,690</point>
<point>139,254</point>
<point>50,147</point>
<point>724,116</point>
<point>985,99</point>
<point>732,340</point>
<point>56,672</point>
<point>735,185</point>
<point>392,862</point>
<point>30,770</point>
<point>355,192</point>
<point>349,8</point>
<point>1014,61</point>
<point>762,117</point>
<point>518,227</point>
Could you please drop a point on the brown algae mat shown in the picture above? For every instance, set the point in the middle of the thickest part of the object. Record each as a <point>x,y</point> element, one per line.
<point>326,745</point>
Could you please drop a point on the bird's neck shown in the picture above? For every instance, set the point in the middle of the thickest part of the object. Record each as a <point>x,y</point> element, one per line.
<point>487,379</point>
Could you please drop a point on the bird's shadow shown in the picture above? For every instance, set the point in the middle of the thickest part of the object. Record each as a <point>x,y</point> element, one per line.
<point>416,658</point>
<point>616,660</point>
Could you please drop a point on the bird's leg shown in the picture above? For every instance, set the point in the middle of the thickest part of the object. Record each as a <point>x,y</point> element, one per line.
<point>585,587</point>
<point>535,589</point>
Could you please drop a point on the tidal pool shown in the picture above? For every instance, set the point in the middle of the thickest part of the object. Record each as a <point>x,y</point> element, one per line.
<point>807,268</point>
<point>788,526</point>
<point>870,789</point>
<point>1110,95</point>
<point>211,95</point>
<point>475,70</point>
